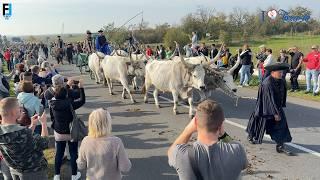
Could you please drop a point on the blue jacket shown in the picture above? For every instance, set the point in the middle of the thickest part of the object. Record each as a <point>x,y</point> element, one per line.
<point>104,48</point>
<point>30,102</point>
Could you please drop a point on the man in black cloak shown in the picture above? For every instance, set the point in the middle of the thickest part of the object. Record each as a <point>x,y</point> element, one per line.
<point>268,115</point>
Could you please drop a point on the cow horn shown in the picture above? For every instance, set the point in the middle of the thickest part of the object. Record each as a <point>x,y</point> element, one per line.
<point>217,56</point>
<point>205,58</point>
<point>116,51</point>
<point>230,71</point>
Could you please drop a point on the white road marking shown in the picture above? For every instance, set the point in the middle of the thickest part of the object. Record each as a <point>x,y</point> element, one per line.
<point>243,127</point>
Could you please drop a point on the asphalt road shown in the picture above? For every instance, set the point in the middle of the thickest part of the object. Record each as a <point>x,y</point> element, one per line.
<point>147,132</point>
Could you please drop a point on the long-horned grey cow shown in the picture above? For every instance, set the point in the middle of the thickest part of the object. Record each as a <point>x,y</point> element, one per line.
<point>120,68</point>
<point>216,77</point>
<point>177,77</point>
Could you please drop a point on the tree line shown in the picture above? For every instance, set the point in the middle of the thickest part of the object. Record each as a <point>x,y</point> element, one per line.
<point>239,25</point>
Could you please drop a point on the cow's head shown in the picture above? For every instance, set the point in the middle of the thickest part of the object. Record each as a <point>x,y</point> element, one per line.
<point>223,78</point>
<point>196,74</point>
<point>136,68</point>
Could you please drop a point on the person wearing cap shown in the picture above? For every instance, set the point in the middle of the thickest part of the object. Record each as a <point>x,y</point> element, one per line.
<point>269,115</point>
<point>102,44</point>
<point>261,56</point>
<point>88,45</point>
<point>295,69</point>
<point>312,61</point>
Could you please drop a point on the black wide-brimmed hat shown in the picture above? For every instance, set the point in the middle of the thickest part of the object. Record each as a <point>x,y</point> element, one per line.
<point>58,36</point>
<point>277,66</point>
<point>100,30</point>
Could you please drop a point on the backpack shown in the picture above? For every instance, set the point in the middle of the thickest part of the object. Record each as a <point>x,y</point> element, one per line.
<point>24,119</point>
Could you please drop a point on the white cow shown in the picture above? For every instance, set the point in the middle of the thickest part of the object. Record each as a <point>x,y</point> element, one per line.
<point>119,68</point>
<point>177,77</point>
<point>94,61</point>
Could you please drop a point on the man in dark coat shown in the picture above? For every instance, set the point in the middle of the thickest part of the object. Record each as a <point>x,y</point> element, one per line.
<point>269,115</point>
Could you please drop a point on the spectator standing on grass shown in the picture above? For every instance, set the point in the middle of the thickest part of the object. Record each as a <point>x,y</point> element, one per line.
<point>21,149</point>
<point>261,56</point>
<point>246,62</point>
<point>194,40</point>
<point>283,58</point>
<point>162,52</point>
<point>208,157</point>
<point>268,61</point>
<point>4,84</point>
<point>203,50</point>
<point>295,69</point>
<point>30,102</point>
<point>101,154</point>
<point>7,58</point>
<point>61,112</point>
<point>149,51</point>
<point>214,51</point>
<point>312,61</point>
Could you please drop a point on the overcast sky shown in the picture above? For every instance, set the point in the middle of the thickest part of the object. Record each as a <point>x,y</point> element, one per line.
<point>47,16</point>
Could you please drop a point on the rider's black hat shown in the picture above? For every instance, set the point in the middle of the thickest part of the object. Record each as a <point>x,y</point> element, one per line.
<point>100,30</point>
<point>88,32</point>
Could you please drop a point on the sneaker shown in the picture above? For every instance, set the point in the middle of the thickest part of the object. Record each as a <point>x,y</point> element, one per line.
<point>240,86</point>
<point>76,177</point>
<point>56,177</point>
<point>292,90</point>
<point>246,85</point>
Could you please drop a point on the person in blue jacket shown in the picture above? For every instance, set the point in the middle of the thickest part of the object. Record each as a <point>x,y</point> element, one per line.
<point>102,44</point>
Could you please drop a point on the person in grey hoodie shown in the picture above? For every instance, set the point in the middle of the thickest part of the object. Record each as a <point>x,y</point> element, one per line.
<point>22,151</point>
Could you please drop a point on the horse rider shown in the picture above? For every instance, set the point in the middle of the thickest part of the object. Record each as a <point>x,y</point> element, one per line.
<point>88,45</point>
<point>102,44</point>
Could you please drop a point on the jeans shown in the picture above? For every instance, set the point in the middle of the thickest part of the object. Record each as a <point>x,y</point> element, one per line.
<point>9,66</point>
<point>294,79</point>
<point>245,74</point>
<point>73,149</point>
<point>312,74</point>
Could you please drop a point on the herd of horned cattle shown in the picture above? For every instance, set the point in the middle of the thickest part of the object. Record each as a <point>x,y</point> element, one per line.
<point>180,76</point>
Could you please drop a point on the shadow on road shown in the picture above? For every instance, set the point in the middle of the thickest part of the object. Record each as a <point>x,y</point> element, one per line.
<point>157,167</point>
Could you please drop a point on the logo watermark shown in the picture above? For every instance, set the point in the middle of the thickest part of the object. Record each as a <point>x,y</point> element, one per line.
<point>7,10</point>
<point>285,16</point>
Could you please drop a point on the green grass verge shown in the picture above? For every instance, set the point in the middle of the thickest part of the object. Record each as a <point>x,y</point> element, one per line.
<point>254,84</point>
<point>49,155</point>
